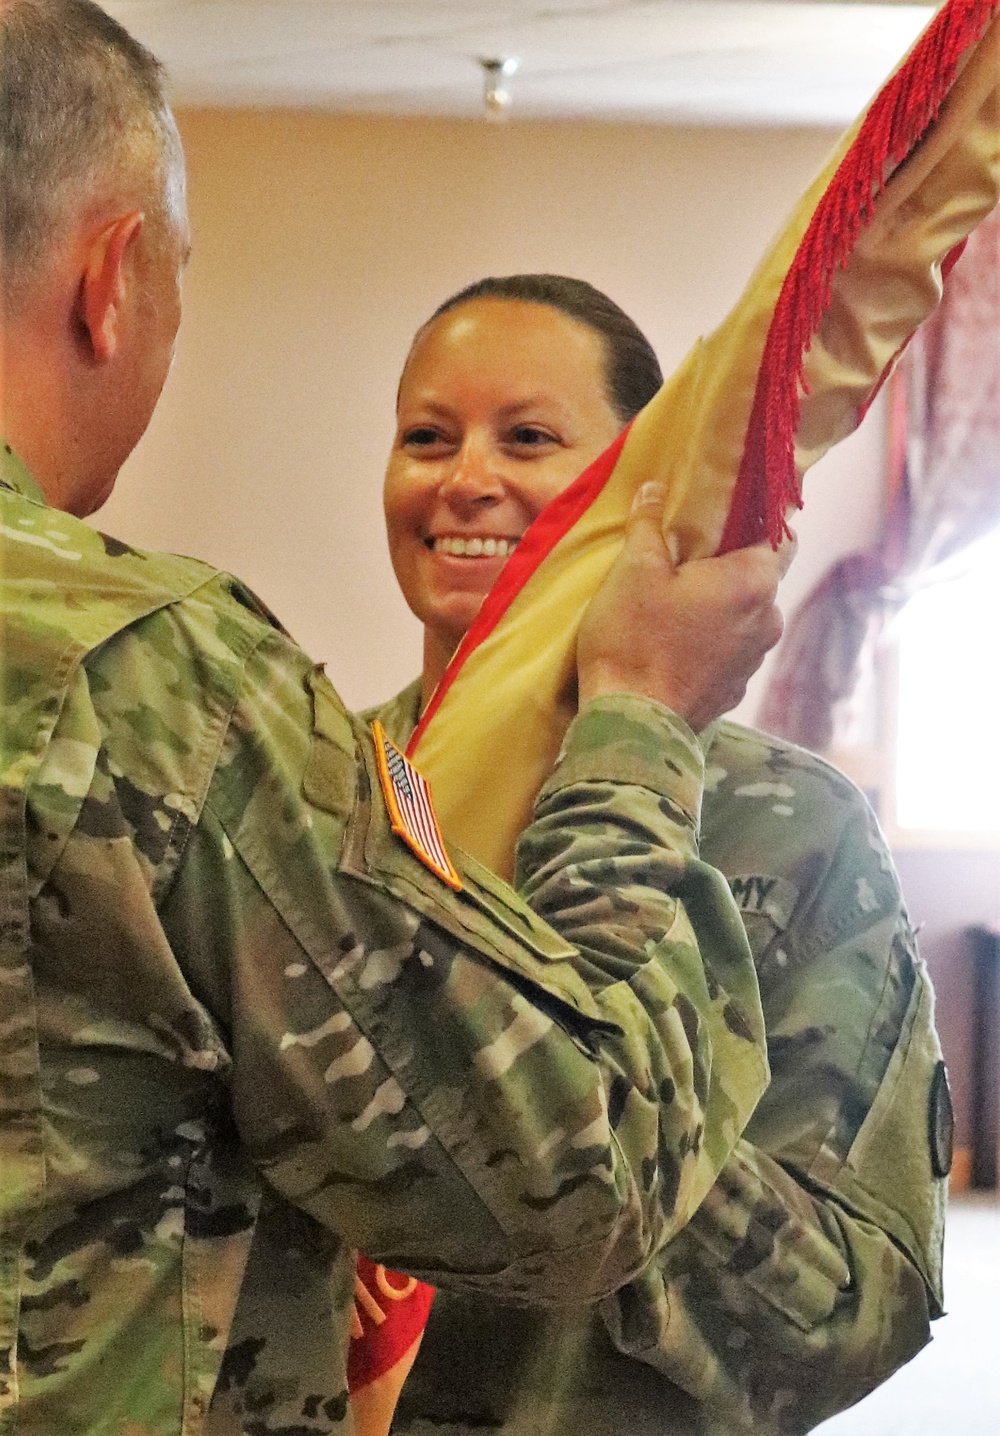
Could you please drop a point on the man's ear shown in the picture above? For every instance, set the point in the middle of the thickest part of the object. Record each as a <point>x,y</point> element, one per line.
<point>104,285</point>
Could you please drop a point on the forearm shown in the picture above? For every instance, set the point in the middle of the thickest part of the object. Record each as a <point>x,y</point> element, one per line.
<point>611,861</point>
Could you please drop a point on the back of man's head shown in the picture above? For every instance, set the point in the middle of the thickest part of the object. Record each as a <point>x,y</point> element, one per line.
<point>83,125</point>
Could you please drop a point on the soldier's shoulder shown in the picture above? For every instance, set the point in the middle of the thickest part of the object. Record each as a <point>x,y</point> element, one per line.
<point>780,818</point>
<point>238,592</point>
<point>774,810</point>
<point>92,584</point>
<point>42,542</point>
<point>180,635</point>
<point>753,763</point>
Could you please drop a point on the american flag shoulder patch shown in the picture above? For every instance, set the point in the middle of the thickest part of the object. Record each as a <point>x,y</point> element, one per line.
<point>411,812</point>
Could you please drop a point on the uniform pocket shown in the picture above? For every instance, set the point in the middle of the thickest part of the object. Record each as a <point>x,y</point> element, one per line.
<point>763,1230</point>
<point>891,1175</point>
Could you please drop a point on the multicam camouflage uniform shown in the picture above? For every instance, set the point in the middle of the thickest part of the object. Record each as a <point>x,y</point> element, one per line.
<point>811,1269</point>
<point>244,1031</point>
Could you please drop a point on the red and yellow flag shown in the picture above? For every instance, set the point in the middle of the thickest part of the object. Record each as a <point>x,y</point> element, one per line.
<point>788,373</point>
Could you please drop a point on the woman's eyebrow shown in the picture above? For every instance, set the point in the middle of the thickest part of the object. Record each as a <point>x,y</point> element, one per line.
<point>430,406</point>
<point>419,404</point>
<point>533,401</point>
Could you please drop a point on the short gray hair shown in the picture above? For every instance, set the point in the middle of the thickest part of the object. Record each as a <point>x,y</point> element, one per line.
<point>82,110</point>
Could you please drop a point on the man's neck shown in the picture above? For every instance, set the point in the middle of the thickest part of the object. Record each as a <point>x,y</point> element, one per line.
<point>38,420</point>
<point>30,419</point>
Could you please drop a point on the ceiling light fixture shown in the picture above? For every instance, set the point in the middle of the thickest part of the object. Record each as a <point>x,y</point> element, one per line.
<point>496,96</point>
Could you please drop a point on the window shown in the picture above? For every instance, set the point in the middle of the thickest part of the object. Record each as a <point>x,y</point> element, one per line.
<point>947,777</point>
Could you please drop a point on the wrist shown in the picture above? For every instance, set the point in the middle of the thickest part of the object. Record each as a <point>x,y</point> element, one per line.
<point>606,681</point>
<point>629,738</point>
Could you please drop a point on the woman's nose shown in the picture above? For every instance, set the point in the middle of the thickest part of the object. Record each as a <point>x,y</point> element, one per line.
<point>473,478</point>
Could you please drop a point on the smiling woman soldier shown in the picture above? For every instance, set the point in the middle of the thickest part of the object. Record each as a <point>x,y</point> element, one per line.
<point>810,1270</point>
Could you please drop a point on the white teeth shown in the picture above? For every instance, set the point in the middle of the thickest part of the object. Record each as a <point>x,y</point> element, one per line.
<point>474,547</point>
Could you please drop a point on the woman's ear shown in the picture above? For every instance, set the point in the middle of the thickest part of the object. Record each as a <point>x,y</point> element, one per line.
<point>104,285</point>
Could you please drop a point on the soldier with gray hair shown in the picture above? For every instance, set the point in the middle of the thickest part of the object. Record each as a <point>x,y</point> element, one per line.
<point>255,1013</point>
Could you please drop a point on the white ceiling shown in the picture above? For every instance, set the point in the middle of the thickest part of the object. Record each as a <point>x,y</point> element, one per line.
<point>730,61</point>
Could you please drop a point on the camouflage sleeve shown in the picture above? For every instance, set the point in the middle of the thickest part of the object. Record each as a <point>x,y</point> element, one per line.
<point>611,860</point>
<point>811,1270</point>
<point>436,1075</point>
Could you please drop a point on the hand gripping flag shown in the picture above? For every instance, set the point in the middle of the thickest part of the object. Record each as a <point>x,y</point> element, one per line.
<point>791,371</point>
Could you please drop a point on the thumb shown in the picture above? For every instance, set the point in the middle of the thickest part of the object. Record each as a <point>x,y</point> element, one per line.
<point>643,529</point>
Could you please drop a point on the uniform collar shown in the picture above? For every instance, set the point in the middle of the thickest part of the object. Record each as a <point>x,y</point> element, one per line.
<point>13,475</point>
<point>708,735</point>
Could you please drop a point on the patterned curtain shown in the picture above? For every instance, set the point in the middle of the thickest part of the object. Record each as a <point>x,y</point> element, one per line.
<point>944,493</point>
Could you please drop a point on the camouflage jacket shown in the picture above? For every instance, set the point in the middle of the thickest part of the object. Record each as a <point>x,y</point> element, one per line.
<point>811,1269</point>
<point>244,1031</point>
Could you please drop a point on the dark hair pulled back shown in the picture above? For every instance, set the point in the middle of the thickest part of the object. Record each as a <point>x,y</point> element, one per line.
<point>632,369</point>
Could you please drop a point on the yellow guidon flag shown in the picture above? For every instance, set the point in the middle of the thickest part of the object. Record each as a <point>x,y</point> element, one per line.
<point>791,370</point>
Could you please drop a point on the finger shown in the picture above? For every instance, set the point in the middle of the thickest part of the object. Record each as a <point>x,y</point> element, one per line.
<point>769,565</point>
<point>787,550</point>
<point>645,519</point>
<point>649,496</point>
<point>771,627</point>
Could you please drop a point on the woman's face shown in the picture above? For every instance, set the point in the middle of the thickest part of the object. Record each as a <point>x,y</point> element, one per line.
<point>501,405</point>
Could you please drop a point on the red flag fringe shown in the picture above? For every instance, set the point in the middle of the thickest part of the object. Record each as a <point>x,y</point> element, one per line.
<point>767,484</point>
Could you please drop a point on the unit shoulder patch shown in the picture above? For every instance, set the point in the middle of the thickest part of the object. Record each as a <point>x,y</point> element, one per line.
<point>941,1120</point>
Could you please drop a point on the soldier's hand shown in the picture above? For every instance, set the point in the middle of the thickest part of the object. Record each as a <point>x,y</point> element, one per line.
<point>688,635</point>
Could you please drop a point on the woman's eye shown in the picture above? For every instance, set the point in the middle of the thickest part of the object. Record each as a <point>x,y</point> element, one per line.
<point>422,436</point>
<point>528,436</point>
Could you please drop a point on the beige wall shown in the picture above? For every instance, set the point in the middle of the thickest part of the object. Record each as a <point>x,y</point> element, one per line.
<point>322,242</point>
